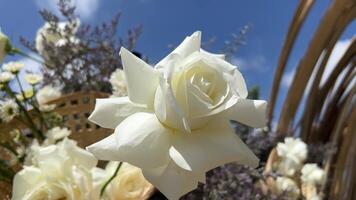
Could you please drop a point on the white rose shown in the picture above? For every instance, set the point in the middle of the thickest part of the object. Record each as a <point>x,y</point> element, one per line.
<point>60,171</point>
<point>118,83</point>
<point>129,183</point>
<point>174,124</point>
<point>4,42</point>
<point>33,79</point>
<point>312,174</point>
<point>13,67</point>
<point>58,37</point>
<point>287,186</point>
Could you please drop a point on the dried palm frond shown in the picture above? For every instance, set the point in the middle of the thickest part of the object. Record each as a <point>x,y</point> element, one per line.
<point>329,113</point>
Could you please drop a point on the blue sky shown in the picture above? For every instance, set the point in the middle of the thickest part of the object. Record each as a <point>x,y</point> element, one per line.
<point>169,21</point>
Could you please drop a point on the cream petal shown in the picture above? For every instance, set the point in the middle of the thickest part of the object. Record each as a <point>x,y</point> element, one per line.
<point>237,84</point>
<point>210,147</point>
<point>109,112</point>
<point>80,156</point>
<point>220,56</point>
<point>167,109</point>
<point>106,149</point>
<point>174,182</point>
<point>189,45</point>
<point>25,180</point>
<point>249,112</point>
<point>50,161</point>
<point>143,141</point>
<point>212,61</point>
<point>141,78</point>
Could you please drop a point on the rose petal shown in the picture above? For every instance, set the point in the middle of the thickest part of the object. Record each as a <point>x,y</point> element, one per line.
<point>209,147</point>
<point>24,180</point>
<point>105,149</point>
<point>220,56</point>
<point>167,109</point>
<point>237,84</point>
<point>212,61</point>
<point>249,112</point>
<point>142,79</point>
<point>79,156</point>
<point>109,112</point>
<point>143,141</point>
<point>184,181</point>
<point>187,47</point>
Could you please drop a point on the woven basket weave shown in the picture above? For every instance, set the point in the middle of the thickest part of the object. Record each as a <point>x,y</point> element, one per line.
<point>75,109</point>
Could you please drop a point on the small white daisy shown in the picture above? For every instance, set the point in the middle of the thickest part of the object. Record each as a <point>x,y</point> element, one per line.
<point>13,67</point>
<point>6,77</point>
<point>8,110</point>
<point>33,79</point>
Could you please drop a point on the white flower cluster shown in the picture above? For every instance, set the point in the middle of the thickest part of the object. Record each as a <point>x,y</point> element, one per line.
<point>65,33</point>
<point>45,95</point>
<point>55,134</point>
<point>292,155</point>
<point>118,83</point>
<point>61,171</point>
<point>13,67</point>
<point>66,171</point>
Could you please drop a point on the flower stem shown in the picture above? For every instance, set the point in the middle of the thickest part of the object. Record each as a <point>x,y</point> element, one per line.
<point>18,51</point>
<point>38,134</point>
<point>110,179</point>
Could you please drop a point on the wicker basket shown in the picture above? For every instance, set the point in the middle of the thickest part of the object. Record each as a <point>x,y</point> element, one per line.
<point>75,109</point>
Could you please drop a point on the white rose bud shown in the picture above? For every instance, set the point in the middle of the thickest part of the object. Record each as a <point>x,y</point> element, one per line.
<point>292,148</point>
<point>4,44</point>
<point>312,174</point>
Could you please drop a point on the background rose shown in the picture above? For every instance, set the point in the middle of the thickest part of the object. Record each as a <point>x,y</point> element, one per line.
<point>57,171</point>
<point>129,183</point>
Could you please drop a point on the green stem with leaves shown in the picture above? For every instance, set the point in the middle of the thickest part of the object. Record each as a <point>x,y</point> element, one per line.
<point>38,134</point>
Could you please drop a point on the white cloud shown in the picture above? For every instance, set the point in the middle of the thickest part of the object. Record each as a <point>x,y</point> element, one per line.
<point>84,8</point>
<point>255,63</point>
<point>338,51</point>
